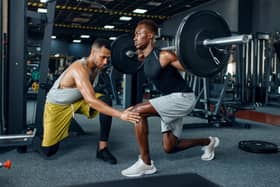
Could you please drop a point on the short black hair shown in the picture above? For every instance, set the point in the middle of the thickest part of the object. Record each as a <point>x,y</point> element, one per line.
<point>150,24</point>
<point>101,42</point>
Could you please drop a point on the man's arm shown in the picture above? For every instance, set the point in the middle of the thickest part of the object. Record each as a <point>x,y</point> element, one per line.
<point>169,58</point>
<point>81,78</point>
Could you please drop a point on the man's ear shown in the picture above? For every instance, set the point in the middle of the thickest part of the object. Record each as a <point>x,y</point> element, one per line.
<point>151,35</point>
<point>92,51</point>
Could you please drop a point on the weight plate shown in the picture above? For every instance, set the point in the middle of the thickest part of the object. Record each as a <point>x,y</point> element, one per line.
<point>195,57</point>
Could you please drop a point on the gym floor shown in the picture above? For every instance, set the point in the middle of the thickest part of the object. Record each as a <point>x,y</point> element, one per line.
<point>76,164</point>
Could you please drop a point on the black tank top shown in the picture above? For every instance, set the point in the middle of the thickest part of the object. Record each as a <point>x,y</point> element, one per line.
<point>167,80</point>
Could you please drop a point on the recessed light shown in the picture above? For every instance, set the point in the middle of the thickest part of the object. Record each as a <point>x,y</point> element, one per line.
<point>53,37</point>
<point>140,11</point>
<point>112,38</point>
<point>154,3</point>
<point>42,10</point>
<point>85,36</point>
<point>125,18</point>
<point>76,41</point>
<point>109,26</point>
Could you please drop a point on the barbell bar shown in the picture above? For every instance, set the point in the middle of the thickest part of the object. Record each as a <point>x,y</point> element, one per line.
<point>202,44</point>
<point>238,39</point>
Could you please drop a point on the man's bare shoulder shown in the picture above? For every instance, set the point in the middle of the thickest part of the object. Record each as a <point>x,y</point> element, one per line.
<point>76,66</point>
<point>76,72</point>
<point>167,56</point>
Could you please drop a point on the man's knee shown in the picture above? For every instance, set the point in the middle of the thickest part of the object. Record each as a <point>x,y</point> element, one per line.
<point>50,150</point>
<point>169,142</point>
<point>168,148</point>
<point>106,100</point>
<point>137,108</point>
<point>140,122</point>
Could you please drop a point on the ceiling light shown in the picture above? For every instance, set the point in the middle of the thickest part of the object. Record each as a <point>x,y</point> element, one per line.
<point>43,1</point>
<point>125,18</point>
<point>107,0</point>
<point>154,3</point>
<point>140,11</point>
<point>53,37</point>
<point>76,41</point>
<point>42,10</point>
<point>188,6</point>
<point>85,36</point>
<point>112,38</point>
<point>109,26</point>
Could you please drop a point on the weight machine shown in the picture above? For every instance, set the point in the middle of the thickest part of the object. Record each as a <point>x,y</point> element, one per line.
<point>15,132</point>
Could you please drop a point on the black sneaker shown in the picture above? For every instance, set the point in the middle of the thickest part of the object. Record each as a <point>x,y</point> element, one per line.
<point>105,155</point>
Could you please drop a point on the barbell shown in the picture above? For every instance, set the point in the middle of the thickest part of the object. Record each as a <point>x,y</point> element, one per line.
<point>202,45</point>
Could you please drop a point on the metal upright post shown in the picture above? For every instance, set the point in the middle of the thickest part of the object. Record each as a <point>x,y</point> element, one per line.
<point>16,100</point>
<point>44,65</point>
<point>1,72</point>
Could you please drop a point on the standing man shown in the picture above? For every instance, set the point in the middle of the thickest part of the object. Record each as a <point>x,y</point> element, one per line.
<point>177,101</point>
<point>73,92</point>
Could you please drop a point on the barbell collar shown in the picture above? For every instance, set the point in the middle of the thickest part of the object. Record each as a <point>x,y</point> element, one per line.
<point>227,41</point>
<point>130,53</point>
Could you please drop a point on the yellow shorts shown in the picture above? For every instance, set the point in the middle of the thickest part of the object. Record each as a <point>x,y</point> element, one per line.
<point>57,119</point>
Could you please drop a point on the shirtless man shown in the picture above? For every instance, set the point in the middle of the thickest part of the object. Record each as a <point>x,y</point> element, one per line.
<point>176,102</point>
<point>73,93</point>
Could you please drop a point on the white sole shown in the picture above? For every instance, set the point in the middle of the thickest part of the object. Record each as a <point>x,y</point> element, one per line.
<point>148,172</point>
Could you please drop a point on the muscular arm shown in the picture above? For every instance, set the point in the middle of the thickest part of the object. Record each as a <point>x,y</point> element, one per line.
<point>169,58</point>
<point>82,82</point>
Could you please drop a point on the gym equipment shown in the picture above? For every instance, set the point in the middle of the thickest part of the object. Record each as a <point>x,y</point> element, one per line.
<point>19,140</point>
<point>7,164</point>
<point>35,86</point>
<point>124,59</point>
<point>256,146</point>
<point>201,43</point>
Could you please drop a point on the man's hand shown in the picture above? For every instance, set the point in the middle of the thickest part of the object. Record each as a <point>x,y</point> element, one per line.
<point>132,117</point>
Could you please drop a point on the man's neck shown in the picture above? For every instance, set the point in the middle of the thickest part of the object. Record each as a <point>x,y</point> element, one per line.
<point>148,50</point>
<point>91,66</point>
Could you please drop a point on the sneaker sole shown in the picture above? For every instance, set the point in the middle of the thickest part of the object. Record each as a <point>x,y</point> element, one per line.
<point>147,172</point>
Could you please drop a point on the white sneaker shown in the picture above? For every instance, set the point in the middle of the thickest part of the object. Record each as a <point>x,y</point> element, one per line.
<point>209,150</point>
<point>139,168</point>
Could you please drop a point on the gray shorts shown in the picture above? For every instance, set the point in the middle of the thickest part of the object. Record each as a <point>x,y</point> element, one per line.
<point>172,108</point>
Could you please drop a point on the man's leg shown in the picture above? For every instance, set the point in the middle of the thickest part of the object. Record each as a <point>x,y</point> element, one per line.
<point>105,127</point>
<point>144,165</point>
<point>57,119</point>
<point>172,144</point>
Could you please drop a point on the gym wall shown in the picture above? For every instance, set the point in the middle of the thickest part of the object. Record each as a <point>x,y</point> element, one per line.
<point>69,49</point>
<point>228,9</point>
<point>266,15</point>
<point>259,15</point>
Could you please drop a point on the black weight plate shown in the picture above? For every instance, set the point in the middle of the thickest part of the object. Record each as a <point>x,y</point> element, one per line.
<point>120,60</point>
<point>256,146</point>
<point>195,57</point>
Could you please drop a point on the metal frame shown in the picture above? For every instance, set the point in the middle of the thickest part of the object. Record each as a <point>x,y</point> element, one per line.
<point>44,65</point>
<point>1,73</point>
<point>16,105</point>
<point>17,139</point>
